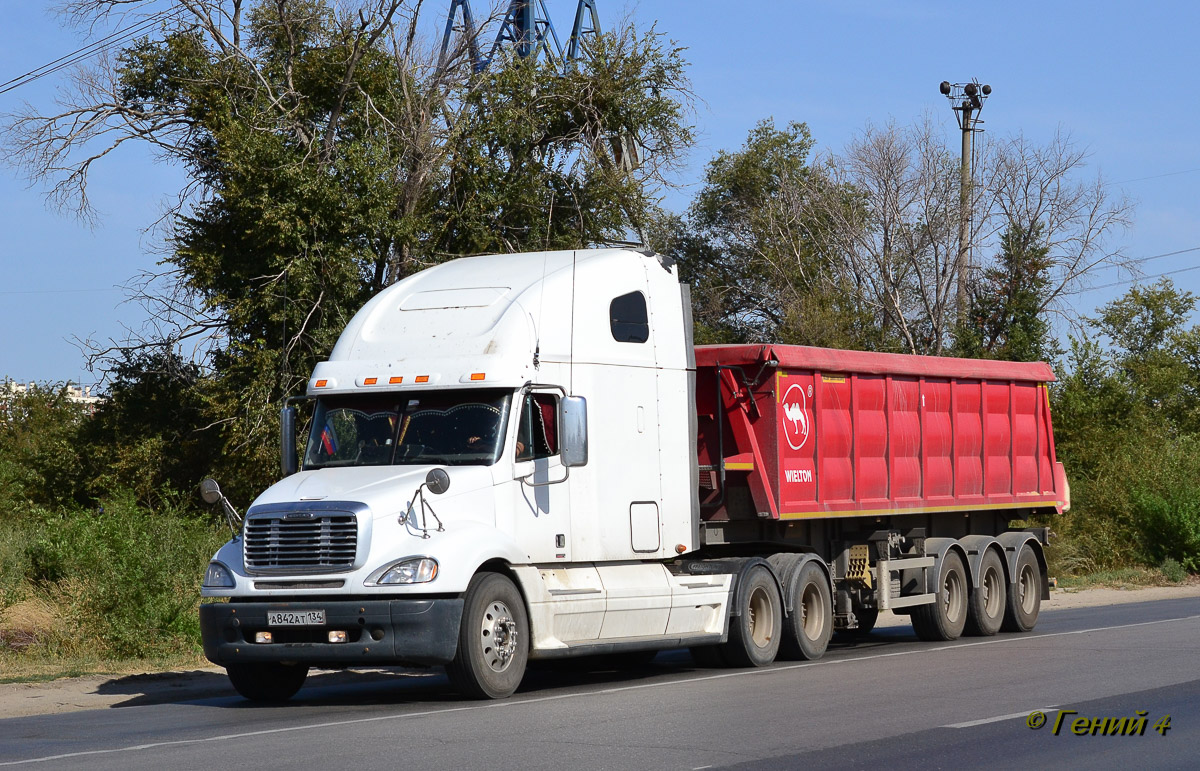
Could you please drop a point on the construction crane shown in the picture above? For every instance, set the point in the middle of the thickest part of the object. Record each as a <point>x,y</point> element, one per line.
<point>526,28</point>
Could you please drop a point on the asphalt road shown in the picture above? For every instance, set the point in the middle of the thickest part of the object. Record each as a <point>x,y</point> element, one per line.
<point>885,700</point>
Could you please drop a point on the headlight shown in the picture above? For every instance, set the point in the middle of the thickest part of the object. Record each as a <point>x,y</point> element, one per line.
<point>218,577</point>
<point>411,570</point>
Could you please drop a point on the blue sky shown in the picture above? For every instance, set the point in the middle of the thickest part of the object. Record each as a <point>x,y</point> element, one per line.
<point>1119,77</point>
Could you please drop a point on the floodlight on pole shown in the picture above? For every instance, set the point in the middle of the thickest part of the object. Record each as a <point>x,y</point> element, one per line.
<point>966,99</point>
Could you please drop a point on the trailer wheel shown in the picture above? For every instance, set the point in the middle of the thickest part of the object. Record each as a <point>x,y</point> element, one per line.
<point>945,617</point>
<point>1025,600</point>
<point>267,682</point>
<point>757,631</point>
<point>809,627</point>
<point>493,640</point>
<point>985,611</point>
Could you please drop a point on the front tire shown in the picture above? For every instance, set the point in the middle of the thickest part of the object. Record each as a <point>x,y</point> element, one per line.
<point>493,640</point>
<point>945,617</point>
<point>267,682</point>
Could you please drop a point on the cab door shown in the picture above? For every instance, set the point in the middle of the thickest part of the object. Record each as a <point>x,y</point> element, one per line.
<point>542,506</point>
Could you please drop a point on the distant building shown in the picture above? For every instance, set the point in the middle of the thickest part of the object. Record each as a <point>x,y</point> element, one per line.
<point>81,395</point>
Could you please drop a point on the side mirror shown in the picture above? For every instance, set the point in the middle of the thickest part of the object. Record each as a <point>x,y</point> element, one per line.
<point>572,427</point>
<point>210,491</point>
<point>437,480</point>
<point>287,441</point>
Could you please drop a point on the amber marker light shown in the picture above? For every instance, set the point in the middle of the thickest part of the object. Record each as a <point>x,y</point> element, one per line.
<point>422,378</point>
<point>478,376</point>
<point>396,380</point>
<point>680,548</point>
<point>370,381</point>
<point>322,383</point>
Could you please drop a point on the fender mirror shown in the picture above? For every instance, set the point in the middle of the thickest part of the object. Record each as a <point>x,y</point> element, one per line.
<point>437,480</point>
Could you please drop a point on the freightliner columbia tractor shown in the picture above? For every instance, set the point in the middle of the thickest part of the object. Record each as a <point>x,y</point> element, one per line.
<point>523,456</point>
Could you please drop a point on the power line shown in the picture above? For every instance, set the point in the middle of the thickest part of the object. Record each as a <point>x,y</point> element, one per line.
<point>1142,278</point>
<point>1155,176</point>
<point>114,39</point>
<point>1167,254</point>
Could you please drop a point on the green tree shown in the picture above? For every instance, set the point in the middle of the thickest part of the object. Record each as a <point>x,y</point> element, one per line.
<point>40,432</point>
<point>331,155</point>
<point>1008,305</point>
<point>755,250</point>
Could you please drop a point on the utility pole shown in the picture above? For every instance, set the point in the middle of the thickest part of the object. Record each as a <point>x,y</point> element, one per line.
<point>966,99</point>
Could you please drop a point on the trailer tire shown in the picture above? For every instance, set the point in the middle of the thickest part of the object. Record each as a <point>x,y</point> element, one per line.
<point>945,617</point>
<point>989,600</point>
<point>1025,599</point>
<point>810,626</point>
<point>267,681</point>
<point>493,639</point>
<point>757,631</point>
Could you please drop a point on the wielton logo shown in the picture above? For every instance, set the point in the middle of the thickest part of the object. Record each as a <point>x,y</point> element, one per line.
<point>795,417</point>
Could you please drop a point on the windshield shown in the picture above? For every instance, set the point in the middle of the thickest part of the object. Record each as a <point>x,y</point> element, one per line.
<point>452,428</point>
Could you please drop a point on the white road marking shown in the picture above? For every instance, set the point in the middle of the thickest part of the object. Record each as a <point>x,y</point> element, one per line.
<point>999,718</point>
<point>514,703</point>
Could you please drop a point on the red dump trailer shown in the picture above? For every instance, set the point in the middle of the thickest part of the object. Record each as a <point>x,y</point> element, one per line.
<point>881,464</point>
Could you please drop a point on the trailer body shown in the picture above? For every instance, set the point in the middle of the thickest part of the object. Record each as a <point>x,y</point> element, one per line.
<point>796,433</point>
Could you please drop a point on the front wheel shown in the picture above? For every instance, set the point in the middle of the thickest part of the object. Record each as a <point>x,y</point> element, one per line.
<point>493,639</point>
<point>267,682</point>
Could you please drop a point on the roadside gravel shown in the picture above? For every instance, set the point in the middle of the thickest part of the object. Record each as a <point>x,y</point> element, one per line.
<point>71,694</point>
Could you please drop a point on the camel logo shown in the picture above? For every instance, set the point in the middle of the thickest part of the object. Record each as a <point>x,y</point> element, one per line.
<point>795,417</point>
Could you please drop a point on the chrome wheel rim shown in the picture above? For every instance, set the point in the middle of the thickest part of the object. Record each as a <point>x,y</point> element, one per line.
<point>498,636</point>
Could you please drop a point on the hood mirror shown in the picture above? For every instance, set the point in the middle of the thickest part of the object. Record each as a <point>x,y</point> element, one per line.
<point>437,480</point>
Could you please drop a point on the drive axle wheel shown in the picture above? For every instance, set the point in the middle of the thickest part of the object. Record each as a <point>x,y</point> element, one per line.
<point>988,600</point>
<point>493,639</point>
<point>808,629</point>
<point>756,632</point>
<point>946,616</point>
<point>268,682</point>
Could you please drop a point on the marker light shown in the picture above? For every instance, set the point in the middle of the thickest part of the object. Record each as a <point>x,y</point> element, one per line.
<point>478,376</point>
<point>322,383</point>
<point>370,381</point>
<point>422,378</point>
<point>263,637</point>
<point>395,381</point>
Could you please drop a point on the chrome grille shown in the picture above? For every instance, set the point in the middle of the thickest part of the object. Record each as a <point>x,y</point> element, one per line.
<point>305,542</point>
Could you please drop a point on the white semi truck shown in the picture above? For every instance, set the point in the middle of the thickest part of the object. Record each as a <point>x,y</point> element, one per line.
<point>508,459</point>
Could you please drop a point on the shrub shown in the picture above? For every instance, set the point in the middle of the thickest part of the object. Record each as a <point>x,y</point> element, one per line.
<point>126,581</point>
<point>1173,571</point>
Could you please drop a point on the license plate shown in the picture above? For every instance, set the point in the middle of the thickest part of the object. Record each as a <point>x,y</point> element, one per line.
<point>296,618</point>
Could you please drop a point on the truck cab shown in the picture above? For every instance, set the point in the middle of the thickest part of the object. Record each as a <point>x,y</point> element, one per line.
<point>552,393</point>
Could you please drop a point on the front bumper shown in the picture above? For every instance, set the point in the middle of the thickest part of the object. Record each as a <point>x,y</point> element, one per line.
<point>380,632</point>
